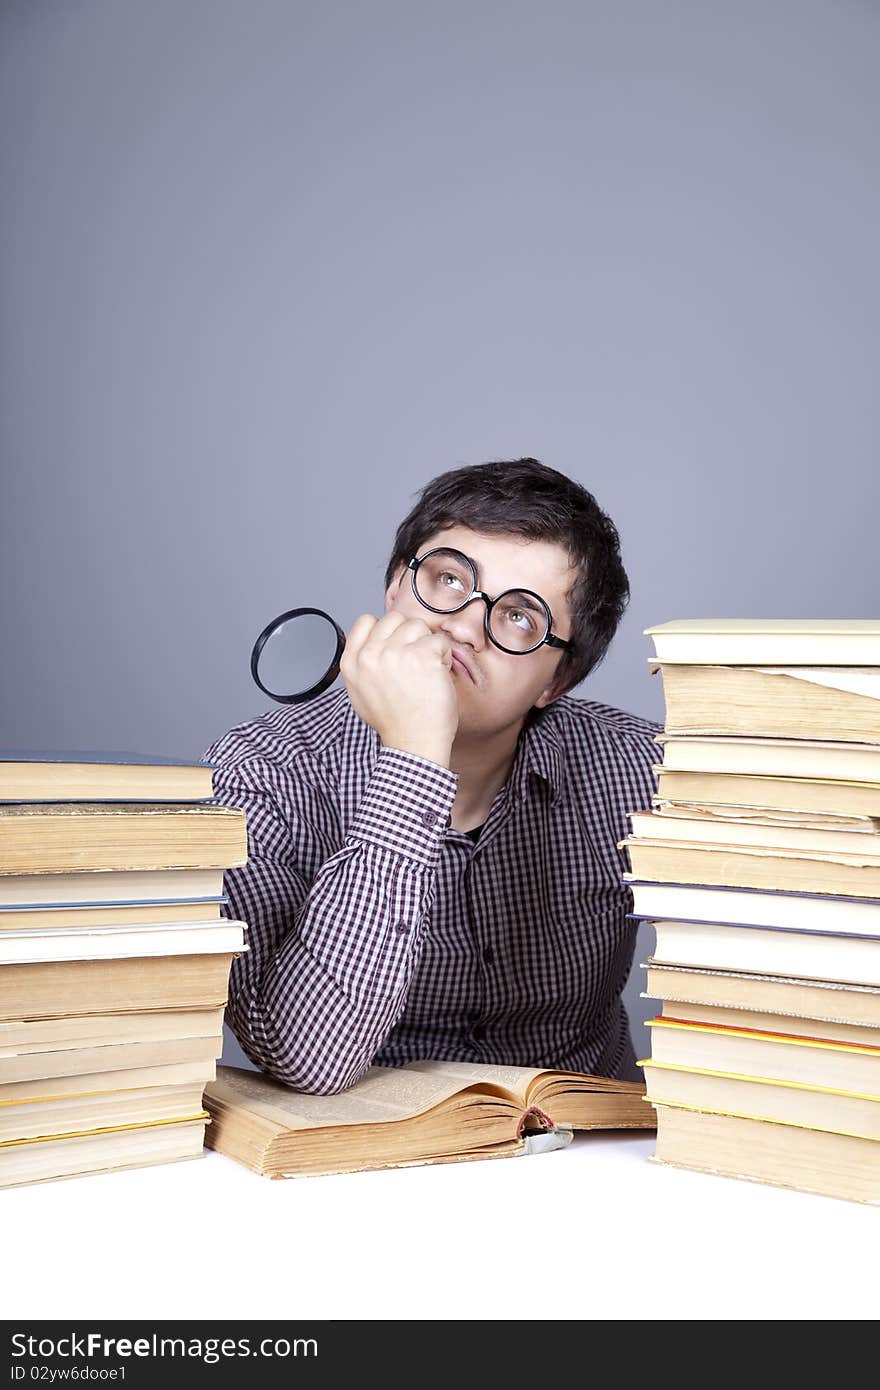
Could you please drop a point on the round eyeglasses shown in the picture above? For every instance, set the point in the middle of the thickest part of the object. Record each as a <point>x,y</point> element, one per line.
<point>518,621</point>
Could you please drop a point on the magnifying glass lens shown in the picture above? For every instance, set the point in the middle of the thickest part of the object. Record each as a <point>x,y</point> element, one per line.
<point>297,655</point>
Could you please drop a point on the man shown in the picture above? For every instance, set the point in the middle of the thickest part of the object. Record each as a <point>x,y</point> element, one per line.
<point>433,868</point>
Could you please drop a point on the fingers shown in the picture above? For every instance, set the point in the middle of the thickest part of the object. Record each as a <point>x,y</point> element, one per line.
<point>357,636</point>
<point>372,633</point>
<point>368,635</point>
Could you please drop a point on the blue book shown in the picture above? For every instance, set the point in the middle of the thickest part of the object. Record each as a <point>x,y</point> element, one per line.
<point>51,775</point>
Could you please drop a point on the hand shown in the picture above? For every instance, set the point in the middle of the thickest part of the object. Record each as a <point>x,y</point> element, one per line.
<point>398,674</point>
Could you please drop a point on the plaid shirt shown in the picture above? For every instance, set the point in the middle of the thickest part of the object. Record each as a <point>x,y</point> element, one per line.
<point>379,934</point>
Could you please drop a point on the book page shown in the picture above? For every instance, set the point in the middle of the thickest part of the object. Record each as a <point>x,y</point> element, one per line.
<point>382,1095</point>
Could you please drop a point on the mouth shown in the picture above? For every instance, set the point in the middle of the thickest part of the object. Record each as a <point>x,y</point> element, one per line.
<point>461,667</point>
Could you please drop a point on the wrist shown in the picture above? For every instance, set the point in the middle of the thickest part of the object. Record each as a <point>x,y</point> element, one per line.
<point>434,749</point>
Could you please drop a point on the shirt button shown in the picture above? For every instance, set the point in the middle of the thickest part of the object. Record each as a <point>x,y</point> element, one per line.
<point>489,956</point>
<point>429,818</point>
<point>478,1032</point>
<point>402,927</point>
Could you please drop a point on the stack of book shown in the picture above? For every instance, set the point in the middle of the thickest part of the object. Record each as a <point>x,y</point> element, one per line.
<point>758,864</point>
<point>114,959</point>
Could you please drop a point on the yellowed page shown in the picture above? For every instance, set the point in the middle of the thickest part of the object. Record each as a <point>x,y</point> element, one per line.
<point>383,1094</point>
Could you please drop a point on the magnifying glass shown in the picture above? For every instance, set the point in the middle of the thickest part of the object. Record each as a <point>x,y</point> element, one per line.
<point>296,657</point>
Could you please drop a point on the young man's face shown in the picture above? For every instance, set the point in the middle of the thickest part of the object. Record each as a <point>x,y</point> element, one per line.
<point>496,689</point>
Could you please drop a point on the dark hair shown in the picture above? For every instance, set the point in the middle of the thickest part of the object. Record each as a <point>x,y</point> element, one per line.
<point>523,497</point>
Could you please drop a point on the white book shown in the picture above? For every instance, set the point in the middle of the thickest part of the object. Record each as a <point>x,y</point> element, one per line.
<point>814,642</point>
<point>760,951</point>
<point>801,912</point>
<point>103,943</point>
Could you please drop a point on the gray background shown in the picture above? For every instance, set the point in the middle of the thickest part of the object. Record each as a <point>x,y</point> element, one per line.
<point>268,267</point>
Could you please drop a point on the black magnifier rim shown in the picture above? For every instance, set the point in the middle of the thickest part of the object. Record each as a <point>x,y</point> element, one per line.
<point>330,674</point>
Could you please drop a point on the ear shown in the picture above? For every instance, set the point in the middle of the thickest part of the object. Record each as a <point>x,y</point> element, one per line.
<point>393,589</point>
<point>548,696</point>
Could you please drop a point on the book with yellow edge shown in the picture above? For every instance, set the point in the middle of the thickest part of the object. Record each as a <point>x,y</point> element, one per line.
<point>775,1056</point>
<point>759,1098</point>
<point>101,1150</point>
<point>424,1112</point>
<point>51,1118</point>
<point>756,1021</point>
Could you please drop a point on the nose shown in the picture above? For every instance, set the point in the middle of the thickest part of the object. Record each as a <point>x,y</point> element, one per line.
<point>467,626</point>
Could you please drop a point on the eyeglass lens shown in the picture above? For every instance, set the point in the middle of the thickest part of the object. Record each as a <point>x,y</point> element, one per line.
<point>444,581</point>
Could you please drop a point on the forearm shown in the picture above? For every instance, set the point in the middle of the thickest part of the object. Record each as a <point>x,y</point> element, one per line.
<point>313,999</point>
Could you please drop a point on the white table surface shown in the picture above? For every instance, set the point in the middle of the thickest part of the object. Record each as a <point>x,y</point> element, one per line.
<point>592,1231</point>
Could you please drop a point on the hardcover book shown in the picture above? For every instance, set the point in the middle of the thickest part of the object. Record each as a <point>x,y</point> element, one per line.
<point>60,837</point>
<point>826,758</point>
<point>796,795</point>
<point>784,1155</point>
<point>774,1056</point>
<point>145,939</point>
<point>751,866</point>
<point>101,1151</point>
<point>64,775</point>
<point>801,912</point>
<point>785,995</point>
<point>756,1097</point>
<point>769,951</point>
<point>46,989</point>
<point>758,641</point>
<point>142,888</point>
<point>771,702</point>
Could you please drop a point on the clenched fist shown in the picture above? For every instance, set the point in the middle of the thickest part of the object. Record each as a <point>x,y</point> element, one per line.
<point>398,673</point>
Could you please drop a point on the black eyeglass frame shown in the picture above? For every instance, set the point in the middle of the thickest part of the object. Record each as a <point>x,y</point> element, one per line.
<point>549,638</point>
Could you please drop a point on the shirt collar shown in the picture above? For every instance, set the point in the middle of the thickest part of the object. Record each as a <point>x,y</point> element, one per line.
<point>539,754</point>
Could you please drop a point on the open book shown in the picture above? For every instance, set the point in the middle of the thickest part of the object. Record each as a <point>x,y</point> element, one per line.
<point>424,1112</point>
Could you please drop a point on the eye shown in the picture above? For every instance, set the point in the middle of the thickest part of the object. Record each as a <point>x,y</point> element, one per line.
<point>520,619</point>
<point>450,580</point>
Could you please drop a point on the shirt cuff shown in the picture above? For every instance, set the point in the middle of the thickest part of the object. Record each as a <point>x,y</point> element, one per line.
<point>407,807</point>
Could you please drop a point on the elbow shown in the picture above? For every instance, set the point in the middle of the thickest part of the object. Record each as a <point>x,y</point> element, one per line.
<point>303,1074</point>
<point>317,1085</point>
